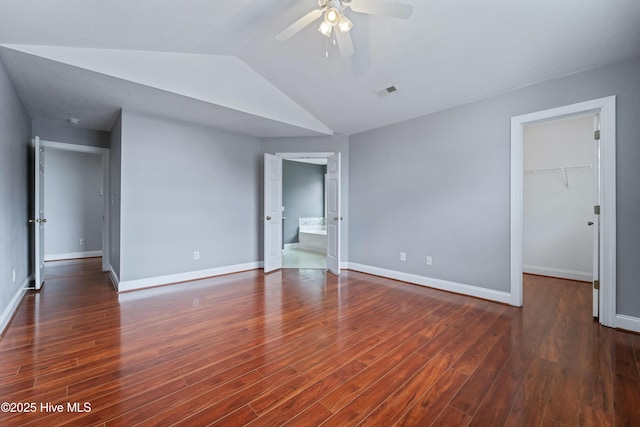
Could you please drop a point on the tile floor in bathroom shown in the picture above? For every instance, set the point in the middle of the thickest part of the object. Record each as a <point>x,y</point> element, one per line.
<point>293,257</point>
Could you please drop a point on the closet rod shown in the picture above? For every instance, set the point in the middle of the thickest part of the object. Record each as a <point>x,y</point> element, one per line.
<point>559,169</point>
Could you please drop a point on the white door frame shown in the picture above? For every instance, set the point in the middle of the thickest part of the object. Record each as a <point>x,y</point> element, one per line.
<point>606,107</point>
<point>106,196</point>
<point>38,215</point>
<point>313,155</point>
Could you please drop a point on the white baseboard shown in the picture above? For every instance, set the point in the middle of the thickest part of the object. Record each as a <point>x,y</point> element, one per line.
<point>130,285</point>
<point>72,255</point>
<point>291,245</point>
<point>8,312</point>
<point>344,265</point>
<point>628,322</point>
<point>459,288</point>
<point>583,276</point>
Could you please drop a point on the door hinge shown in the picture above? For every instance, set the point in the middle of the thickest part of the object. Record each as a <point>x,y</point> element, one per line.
<point>596,209</point>
<point>596,284</point>
<point>596,135</point>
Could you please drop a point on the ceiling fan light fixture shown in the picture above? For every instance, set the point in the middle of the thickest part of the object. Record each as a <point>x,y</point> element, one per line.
<point>344,24</point>
<point>332,16</point>
<point>325,28</point>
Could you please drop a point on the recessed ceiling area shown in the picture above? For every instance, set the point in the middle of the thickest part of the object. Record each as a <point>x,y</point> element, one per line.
<point>164,57</point>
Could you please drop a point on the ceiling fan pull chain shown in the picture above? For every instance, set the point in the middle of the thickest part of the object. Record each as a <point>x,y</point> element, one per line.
<point>326,47</point>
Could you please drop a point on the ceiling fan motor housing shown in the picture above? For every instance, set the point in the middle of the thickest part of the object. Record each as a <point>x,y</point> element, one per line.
<point>338,4</point>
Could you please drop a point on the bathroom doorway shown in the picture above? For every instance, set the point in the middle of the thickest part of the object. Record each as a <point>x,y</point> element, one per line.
<point>304,226</point>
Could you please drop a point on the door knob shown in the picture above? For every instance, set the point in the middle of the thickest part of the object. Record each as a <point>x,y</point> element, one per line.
<point>590,223</point>
<point>268,218</point>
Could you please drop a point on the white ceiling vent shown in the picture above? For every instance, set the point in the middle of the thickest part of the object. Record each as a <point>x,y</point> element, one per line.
<point>386,91</point>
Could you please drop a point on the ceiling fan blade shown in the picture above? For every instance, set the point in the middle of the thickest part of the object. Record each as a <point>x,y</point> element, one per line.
<point>345,44</point>
<point>382,7</point>
<point>297,26</point>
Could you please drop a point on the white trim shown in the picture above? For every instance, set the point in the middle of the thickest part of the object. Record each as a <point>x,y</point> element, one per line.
<point>130,285</point>
<point>291,245</point>
<point>310,155</point>
<point>628,322</point>
<point>106,196</point>
<point>72,255</point>
<point>10,310</point>
<point>583,276</point>
<point>115,281</point>
<point>344,265</point>
<point>606,107</point>
<point>106,213</point>
<point>458,288</point>
<point>89,149</point>
<point>608,275</point>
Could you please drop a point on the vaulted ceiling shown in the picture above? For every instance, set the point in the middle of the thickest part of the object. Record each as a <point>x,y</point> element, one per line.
<point>217,62</point>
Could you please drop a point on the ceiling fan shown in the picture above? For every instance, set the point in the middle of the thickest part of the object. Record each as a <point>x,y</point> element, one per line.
<point>337,23</point>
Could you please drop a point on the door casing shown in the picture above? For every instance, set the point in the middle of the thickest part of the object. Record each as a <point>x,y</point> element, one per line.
<point>606,108</point>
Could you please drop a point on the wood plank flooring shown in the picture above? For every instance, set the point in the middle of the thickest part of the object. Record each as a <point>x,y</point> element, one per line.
<point>305,348</point>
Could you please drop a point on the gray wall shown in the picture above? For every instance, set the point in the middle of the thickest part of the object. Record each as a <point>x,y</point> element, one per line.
<point>336,144</point>
<point>439,184</point>
<point>185,188</point>
<point>73,203</point>
<point>115,159</point>
<point>15,128</point>
<point>302,194</point>
<point>54,131</point>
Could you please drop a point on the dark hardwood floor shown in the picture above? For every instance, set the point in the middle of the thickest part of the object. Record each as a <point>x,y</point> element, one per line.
<point>304,348</point>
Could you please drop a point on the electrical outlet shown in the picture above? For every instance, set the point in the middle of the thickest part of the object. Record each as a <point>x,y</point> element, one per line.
<point>403,256</point>
<point>14,274</point>
<point>429,260</point>
<point>196,255</point>
<point>83,242</point>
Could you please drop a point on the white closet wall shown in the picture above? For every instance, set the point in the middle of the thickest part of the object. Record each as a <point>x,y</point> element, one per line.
<point>558,198</point>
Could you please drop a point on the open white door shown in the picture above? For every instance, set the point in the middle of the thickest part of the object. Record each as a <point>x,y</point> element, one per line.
<point>38,213</point>
<point>333,213</point>
<point>596,217</point>
<point>272,213</point>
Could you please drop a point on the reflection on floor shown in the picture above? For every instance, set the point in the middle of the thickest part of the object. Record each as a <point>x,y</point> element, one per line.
<point>293,257</point>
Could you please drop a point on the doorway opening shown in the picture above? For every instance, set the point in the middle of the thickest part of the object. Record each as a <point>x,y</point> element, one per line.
<point>304,219</point>
<point>273,230</point>
<point>77,196</point>
<point>604,206</point>
<point>560,188</point>
<point>73,197</point>
<point>559,194</point>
